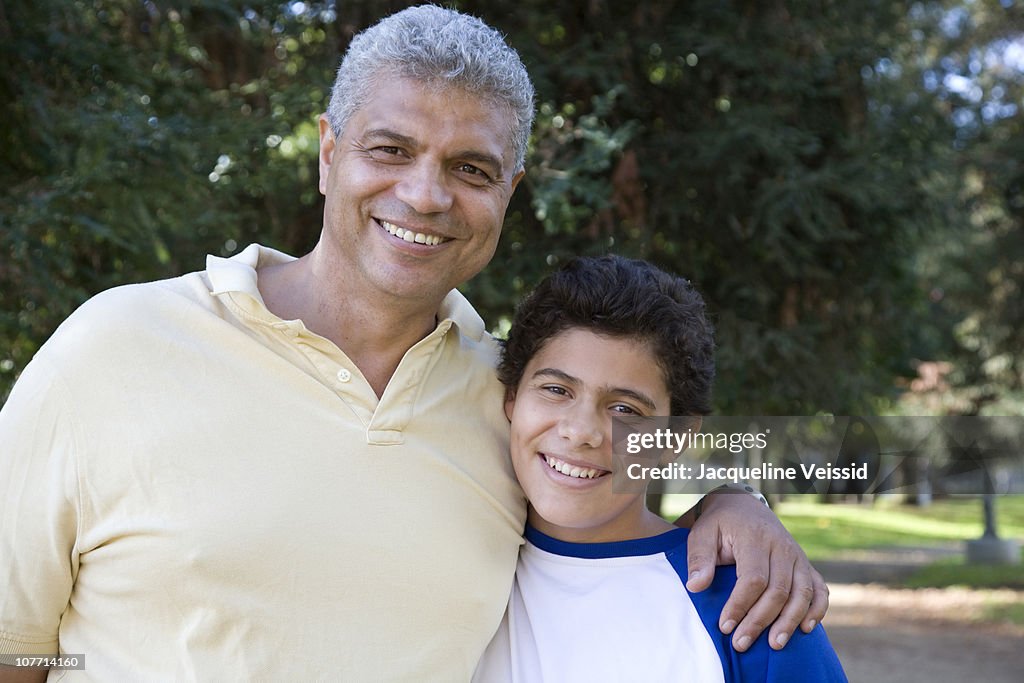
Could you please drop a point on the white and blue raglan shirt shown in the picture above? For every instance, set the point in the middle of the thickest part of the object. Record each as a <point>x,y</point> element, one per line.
<point>621,612</point>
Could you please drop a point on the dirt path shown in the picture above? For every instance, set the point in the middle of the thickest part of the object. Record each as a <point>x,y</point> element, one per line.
<point>885,634</point>
<point>890,635</point>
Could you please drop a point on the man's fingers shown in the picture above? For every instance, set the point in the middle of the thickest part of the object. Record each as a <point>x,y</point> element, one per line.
<point>742,599</point>
<point>795,611</point>
<point>760,598</point>
<point>701,553</point>
<point>750,585</point>
<point>819,602</point>
<point>774,576</point>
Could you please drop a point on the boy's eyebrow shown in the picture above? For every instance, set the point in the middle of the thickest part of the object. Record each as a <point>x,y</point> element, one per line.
<point>560,374</point>
<point>569,379</point>
<point>635,395</point>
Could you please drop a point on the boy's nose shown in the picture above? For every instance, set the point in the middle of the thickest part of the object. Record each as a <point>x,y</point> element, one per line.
<point>582,429</point>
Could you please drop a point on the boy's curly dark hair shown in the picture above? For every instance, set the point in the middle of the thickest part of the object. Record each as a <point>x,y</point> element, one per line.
<point>619,297</point>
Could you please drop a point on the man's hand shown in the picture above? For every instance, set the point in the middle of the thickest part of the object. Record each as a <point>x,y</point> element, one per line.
<point>775,581</point>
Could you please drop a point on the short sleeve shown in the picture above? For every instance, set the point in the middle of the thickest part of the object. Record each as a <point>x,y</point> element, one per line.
<point>496,663</point>
<point>806,657</point>
<point>39,511</point>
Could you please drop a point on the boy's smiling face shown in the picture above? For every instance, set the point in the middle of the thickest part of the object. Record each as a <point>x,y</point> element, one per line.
<point>561,444</point>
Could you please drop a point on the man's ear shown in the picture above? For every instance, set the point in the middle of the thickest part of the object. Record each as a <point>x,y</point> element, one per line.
<point>510,402</point>
<point>516,178</point>
<point>327,143</point>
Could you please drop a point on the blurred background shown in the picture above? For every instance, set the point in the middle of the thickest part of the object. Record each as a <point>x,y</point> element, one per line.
<point>843,180</point>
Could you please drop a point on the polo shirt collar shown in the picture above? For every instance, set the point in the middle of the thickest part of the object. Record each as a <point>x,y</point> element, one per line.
<point>456,309</point>
<point>237,276</point>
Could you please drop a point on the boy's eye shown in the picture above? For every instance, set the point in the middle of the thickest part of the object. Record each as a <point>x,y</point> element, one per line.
<point>555,389</point>
<point>625,409</point>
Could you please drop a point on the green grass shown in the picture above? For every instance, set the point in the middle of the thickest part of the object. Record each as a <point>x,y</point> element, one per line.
<point>826,531</point>
<point>1012,613</point>
<point>955,572</point>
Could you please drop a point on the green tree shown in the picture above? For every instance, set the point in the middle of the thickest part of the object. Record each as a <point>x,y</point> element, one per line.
<point>805,163</point>
<point>984,85</point>
<point>139,137</point>
<point>766,151</point>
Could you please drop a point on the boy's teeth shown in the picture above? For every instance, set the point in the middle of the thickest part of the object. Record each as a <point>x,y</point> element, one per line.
<point>410,236</point>
<point>571,470</point>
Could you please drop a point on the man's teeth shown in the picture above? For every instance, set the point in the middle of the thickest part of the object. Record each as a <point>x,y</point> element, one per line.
<point>572,470</point>
<point>410,236</point>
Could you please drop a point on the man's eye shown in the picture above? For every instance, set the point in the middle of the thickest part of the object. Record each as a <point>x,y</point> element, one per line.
<point>474,173</point>
<point>386,153</point>
<point>624,409</point>
<point>555,389</point>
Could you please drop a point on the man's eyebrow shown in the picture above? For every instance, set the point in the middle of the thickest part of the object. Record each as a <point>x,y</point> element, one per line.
<point>637,396</point>
<point>390,135</point>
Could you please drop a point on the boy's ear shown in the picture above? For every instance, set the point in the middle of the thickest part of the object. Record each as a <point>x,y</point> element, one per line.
<point>691,423</point>
<point>510,402</point>
<point>688,423</point>
<point>667,456</point>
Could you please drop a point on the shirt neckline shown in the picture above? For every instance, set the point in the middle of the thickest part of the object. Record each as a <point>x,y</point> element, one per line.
<point>237,275</point>
<point>593,551</point>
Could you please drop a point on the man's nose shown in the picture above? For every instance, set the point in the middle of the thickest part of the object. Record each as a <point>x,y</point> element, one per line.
<point>424,187</point>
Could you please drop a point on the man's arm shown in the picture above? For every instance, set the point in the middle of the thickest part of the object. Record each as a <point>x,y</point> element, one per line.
<point>38,496</point>
<point>775,581</point>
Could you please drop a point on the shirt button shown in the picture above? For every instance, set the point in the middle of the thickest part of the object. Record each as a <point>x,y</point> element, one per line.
<point>344,375</point>
<point>291,332</point>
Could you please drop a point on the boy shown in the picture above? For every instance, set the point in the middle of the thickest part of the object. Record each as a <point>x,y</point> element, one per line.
<point>599,592</point>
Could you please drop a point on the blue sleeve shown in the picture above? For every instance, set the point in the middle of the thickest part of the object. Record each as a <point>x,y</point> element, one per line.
<point>807,657</point>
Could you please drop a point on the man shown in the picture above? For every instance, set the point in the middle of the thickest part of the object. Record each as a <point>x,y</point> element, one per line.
<point>284,469</point>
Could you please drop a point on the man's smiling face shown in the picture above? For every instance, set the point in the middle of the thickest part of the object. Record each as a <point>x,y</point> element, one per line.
<point>416,189</point>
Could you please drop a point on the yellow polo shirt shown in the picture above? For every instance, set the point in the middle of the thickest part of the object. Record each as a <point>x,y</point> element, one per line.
<point>193,488</point>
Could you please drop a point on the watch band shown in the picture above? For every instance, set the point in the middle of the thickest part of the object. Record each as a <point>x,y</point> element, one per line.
<point>732,487</point>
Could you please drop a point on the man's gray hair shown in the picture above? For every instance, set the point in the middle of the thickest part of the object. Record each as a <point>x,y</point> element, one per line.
<point>439,47</point>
